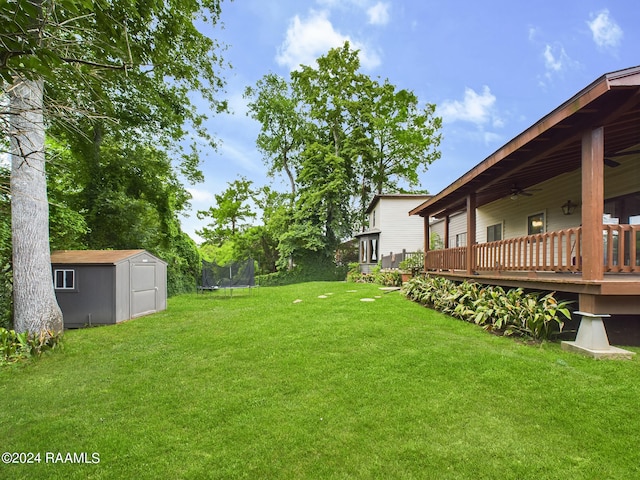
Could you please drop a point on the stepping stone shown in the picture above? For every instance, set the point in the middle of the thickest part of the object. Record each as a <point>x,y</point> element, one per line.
<point>322,296</point>
<point>297,301</point>
<point>367,299</point>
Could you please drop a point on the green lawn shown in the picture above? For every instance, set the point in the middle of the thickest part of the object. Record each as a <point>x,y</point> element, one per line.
<point>259,387</point>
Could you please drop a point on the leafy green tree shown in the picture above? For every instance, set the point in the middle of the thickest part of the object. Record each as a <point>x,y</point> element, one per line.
<point>351,137</point>
<point>133,205</point>
<point>68,227</point>
<point>327,173</point>
<point>399,140</point>
<point>260,242</point>
<point>283,125</point>
<point>88,62</point>
<point>231,213</point>
<point>403,139</point>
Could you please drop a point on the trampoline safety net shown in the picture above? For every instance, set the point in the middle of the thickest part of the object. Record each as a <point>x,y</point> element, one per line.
<point>239,274</point>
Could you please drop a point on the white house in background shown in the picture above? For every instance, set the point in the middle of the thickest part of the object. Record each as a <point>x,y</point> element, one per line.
<point>391,229</point>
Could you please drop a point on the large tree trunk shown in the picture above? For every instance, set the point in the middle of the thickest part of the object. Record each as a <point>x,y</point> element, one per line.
<point>35,306</point>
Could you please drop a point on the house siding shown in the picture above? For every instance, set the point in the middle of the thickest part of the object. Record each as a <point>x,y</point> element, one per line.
<point>621,180</point>
<point>548,197</point>
<point>398,230</point>
<point>457,226</point>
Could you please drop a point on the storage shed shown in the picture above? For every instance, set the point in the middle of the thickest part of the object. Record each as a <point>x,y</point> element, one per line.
<point>103,287</point>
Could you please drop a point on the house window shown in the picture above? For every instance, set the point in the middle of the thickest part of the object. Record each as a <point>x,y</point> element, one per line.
<point>373,248</point>
<point>373,219</point>
<point>535,224</point>
<point>363,251</point>
<point>461,239</point>
<point>494,232</point>
<point>64,279</point>
<point>625,207</point>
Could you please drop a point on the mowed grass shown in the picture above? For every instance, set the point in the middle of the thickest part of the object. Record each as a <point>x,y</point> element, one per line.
<point>259,387</point>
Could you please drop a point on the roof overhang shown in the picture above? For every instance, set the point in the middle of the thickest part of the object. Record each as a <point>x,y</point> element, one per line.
<point>402,196</point>
<point>552,146</point>
<point>372,231</point>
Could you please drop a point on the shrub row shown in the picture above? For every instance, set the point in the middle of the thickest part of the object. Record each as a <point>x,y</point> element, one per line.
<point>17,346</point>
<point>388,278</point>
<point>508,312</point>
<point>301,274</point>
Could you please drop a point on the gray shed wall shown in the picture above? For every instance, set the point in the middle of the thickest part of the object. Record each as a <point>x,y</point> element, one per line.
<point>93,301</point>
<point>122,292</point>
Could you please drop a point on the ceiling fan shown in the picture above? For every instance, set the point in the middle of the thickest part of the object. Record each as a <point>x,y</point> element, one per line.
<point>609,159</point>
<point>525,192</point>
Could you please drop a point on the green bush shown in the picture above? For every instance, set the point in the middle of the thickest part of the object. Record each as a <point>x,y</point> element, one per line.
<point>413,263</point>
<point>301,274</point>
<point>508,312</point>
<point>6,294</point>
<point>388,278</point>
<point>17,346</point>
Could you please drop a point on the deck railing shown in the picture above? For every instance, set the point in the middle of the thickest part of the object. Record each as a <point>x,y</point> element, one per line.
<point>551,251</point>
<point>557,251</point>
<point>447,259</point>
<point>621,246</point>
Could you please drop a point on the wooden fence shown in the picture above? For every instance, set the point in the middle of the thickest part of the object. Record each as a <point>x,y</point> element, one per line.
<point>392,261</point>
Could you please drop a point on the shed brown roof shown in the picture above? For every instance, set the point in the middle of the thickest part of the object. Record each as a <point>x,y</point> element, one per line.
<point>109,257</point>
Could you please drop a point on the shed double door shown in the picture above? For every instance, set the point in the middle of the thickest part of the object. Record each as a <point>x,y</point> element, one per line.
<point>144,290</point>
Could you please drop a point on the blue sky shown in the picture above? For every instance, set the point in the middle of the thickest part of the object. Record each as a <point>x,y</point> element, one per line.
<point>492,68</point>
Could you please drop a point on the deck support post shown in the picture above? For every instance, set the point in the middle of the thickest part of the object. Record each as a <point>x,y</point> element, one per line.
<point>592,204</point>
<point>592,339</point>
<point>471,233</point>
<point>427,241</point>
<point>446,240</point>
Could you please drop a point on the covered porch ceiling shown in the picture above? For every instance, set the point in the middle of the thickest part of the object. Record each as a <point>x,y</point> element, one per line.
<point>553,145</point>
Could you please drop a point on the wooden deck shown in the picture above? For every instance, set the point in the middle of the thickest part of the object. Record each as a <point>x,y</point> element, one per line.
<point>552,262</point>
<point>611,284</point>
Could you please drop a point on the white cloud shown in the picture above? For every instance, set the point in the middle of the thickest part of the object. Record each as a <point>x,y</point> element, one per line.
<point>379,14</point>
<point>475,108</point>
<point>238,105</point>
<point>606,32</point>
<point>478,109</point>
<point>201,196</point>
<point>556,62</point>
<point>330,3</point>
<point>307,39</point>
<point>554,58</point>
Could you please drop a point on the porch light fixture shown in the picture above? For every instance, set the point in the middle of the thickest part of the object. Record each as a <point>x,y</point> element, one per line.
<point>569,207</point>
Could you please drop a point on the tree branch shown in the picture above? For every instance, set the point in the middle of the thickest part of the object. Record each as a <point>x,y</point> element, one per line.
<point>5,56</point>
<point>94,64</point>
